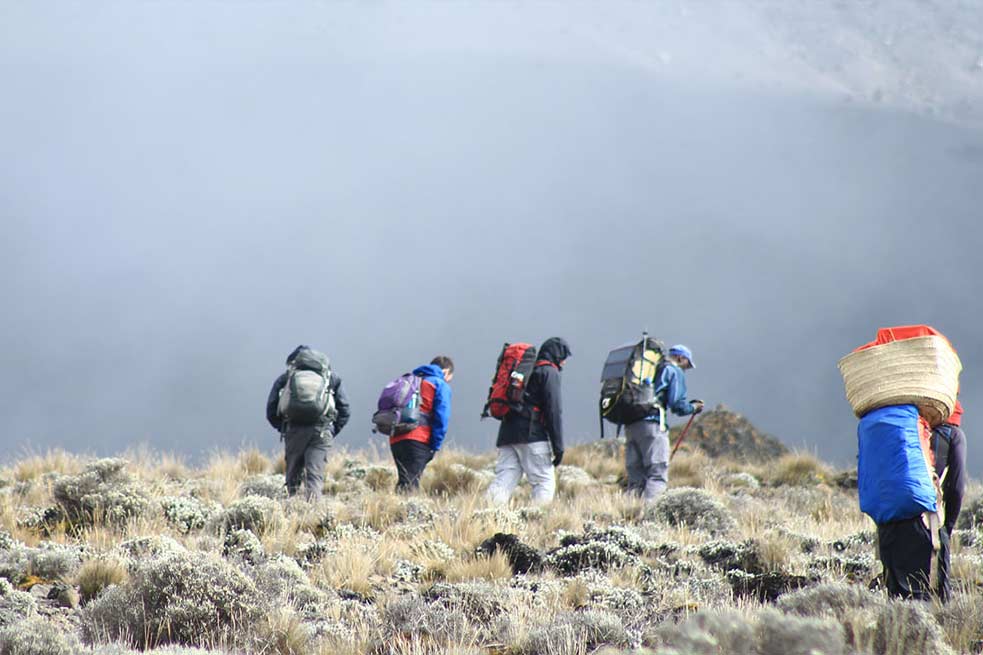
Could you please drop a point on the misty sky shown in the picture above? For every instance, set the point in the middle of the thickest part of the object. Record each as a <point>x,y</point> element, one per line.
<point>189,190</point>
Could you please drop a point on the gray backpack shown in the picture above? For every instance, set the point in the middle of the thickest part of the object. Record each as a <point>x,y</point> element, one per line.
<point>307,396</point>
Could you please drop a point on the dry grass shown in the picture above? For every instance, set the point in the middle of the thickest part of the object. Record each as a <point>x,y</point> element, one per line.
<point>689,469</point>
<point>495,567</point>
<point>353,567</point>
<point>54,461</point>
<point>366,533</point>
<point>98,574</point>
<point>795,469</point>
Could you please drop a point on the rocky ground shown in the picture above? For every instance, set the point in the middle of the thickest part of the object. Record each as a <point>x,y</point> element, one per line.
<point>761,555</point>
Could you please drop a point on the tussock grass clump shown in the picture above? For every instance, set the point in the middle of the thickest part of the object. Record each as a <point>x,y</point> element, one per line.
<point>449,478</point>
<point>253,462</point>
<point>796,469</point>
<point>98,574</point>
<point>493,567</point>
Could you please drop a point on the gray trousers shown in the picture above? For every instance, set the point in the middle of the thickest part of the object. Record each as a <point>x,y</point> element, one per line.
<point>306,450</point>
<point>535,460</point>
<point>646,459</point>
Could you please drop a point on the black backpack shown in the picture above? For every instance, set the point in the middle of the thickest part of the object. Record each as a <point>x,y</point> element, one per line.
<point>628,381</point>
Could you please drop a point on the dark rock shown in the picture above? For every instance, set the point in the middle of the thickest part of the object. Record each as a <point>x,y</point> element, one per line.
<point>522,557</point>
<point>766,587</point>
<point>846,479</point>
<point>723,433</point>
<point>64,596</point>
<point>732,556</point>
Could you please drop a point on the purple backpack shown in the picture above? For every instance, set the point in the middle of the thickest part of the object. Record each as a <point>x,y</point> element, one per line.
<point>399,406</point>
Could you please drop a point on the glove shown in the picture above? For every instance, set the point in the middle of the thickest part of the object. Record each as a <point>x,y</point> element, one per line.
<point>697,406</point>
<point>557,457</point>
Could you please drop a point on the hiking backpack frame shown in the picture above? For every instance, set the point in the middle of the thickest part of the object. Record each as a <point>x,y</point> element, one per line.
<point>628,382</point>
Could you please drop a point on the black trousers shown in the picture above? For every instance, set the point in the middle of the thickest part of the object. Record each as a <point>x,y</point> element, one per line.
<point>411,458</point>
<point>905,550</point>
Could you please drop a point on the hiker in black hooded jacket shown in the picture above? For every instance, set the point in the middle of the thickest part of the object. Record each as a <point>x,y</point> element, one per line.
<point>306,446</point>
<point>532,443</point>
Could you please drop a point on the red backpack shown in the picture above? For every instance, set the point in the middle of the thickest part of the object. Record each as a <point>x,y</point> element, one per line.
<point>508,387</point>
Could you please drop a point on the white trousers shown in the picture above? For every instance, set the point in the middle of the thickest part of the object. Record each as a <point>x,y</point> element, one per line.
<point>533,459</point>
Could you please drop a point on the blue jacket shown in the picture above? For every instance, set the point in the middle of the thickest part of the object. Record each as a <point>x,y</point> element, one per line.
<point>670,390</point>
<point>440,414</point>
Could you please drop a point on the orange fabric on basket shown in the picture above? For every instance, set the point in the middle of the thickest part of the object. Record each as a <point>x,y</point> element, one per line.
<point>925,438</point>
<point>902,332</point>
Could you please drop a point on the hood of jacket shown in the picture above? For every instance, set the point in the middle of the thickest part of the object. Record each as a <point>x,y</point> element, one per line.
<point>554,350</point>
<point>429,371</point>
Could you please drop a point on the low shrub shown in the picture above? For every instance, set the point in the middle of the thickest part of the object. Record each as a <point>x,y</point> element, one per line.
<point>101,492</point>
<point>255,513</point>
<point>178,597</point>
<point>95,575</point>
<point>694,508</point>
<point>36,636</point>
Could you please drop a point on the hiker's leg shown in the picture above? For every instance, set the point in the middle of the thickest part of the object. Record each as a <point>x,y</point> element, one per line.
<point>537,463</point>
<point>906,554</point>
<point>634,470</point>
<point>315,458</point>
<point>401,457</point>
<point>508,472</point>
<point>294,447</point>
<point>945,587</point>
<point>414,458</point>
<point>657,460</point>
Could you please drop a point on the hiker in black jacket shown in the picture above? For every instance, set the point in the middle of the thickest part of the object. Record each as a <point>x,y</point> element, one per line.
<point>531,442</point>
<point>306,445</point>
<point>949,446</point>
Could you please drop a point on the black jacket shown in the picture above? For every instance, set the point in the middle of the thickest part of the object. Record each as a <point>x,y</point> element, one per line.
<point>954,485</point>
<point>544,421</point>
<point>342,408</point>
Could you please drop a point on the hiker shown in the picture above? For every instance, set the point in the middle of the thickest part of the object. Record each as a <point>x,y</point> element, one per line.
<point>530,442</point>
<point>413,450</point>
<point>905,546</point>
<point>647,440</point>
<point>949,446</point>
<point>308,407</point>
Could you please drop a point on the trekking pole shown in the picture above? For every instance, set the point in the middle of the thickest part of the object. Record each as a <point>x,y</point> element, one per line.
<point>682,436</point>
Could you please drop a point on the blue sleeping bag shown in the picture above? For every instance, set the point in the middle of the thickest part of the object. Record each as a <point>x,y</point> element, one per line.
<point>892,477</point>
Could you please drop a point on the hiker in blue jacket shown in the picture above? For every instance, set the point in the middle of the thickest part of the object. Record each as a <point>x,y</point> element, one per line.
<point>647,440</point>
<point>413,450</point>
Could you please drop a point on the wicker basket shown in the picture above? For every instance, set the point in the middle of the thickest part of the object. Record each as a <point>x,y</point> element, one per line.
<point>923,371</point>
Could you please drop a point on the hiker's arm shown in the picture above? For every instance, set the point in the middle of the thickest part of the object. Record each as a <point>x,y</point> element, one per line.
<point>676,393</point>
<point>343,409</point>
<point>274,399</point>
<point>954,487</point>
<point>552,410</point>
<point>440,415</point>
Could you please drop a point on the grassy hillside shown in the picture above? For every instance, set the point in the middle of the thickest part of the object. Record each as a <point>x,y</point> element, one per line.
<point>144,552</point>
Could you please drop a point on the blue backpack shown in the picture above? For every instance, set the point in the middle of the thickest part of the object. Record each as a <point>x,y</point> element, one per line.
<point>892,476</point>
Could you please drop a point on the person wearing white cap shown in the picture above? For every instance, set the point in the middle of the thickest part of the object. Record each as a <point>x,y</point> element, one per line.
<point>647,440</point>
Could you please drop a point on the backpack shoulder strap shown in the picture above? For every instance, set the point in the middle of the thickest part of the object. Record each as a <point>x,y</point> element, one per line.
<point>940,448</point>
